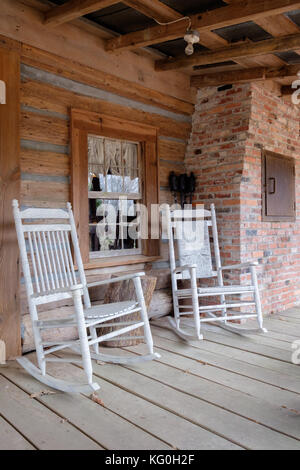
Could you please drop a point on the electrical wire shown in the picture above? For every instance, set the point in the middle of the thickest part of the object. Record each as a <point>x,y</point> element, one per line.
<point>174,21</point>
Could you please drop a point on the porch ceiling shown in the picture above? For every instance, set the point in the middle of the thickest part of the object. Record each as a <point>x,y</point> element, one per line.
<point>234,35</point>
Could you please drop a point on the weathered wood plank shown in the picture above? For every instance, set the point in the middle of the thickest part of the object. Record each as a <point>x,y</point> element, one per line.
<point>167,426</point>
<point>261,339</point>
<point>166,167</point>
<point>74,9</point>
<point>154,9</point>
<point>262,403</point>
<point>171,150</point>
<point>279,396</point>
<point>102,425</point>
<point>41,194</point>
<point>151,386</point>
<point>41,128</point>
<point>278,325</point>
<point>238,12</point>
<point>232,52</point>
<point>46,430</point>
<point>10,439</point>
<point>244,76</point>
<point>239,354</point>
<point>113,83</point>
<point>166,340</point>
<point>55,99</point>
<point>249,344</point>
<point>9,190</point>
<point>44,163</point>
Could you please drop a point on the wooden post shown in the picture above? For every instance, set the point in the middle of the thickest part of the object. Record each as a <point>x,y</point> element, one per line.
<point>10,329</point>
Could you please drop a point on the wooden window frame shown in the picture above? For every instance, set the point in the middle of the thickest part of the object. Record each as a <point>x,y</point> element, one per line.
<point>84,123</point>
<point>275,218</point>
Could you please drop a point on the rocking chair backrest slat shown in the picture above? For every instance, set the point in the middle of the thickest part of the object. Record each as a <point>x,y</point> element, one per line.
<point>46,253</point>
<point>181,225</point>
<point>194,252</point>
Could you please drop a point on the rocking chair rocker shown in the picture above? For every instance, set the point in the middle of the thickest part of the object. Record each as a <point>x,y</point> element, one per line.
<point>195,262</point>
<point>47,259</point>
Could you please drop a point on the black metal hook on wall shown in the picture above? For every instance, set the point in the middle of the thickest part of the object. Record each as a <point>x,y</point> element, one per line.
<point>183,184</point>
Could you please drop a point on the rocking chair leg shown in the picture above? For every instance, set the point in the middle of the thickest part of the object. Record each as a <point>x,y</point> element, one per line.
<point>195,302</point>
<point>257,299</point>
<point>144,315</point>
<point>38,342</point>
<point>94,337</point>
<point>82,333</point>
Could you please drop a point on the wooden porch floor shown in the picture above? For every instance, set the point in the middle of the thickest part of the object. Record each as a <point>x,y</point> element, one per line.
<point>225,392</point>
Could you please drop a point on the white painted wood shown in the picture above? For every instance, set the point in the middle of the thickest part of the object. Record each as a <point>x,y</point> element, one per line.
<point>2,92</point>
<point>54,274</point>
<point>2,352</point>
<point>43,214</point>
<point>46,228</point>
<point>192,273</point>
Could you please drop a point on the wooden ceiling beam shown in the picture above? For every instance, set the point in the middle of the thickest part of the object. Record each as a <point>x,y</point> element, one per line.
<point>154,9</point>
<point>74,9</point>
<point>234,13</point>
<point>244,76</point>
<point>237,51</point>
<point>288,90</point>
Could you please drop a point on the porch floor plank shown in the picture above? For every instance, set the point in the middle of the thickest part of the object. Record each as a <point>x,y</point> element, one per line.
<point>11,439</point>
<point>46,430</point>
<point>109,430</point>
<point>225,392</point>
<point>242,353</point>
<point>168,341</point>
<point>265,404</point>
<point>176,431</point>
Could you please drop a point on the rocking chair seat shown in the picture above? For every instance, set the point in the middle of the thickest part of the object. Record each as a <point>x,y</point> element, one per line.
<point>112,309</point>
<point>212,291</point>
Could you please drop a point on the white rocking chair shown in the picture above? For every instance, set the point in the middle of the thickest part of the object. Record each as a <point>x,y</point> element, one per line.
<point>47,259</point>
<point>195,262</point>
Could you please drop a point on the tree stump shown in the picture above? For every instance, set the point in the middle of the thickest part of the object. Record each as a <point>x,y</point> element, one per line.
<point>119,292</point>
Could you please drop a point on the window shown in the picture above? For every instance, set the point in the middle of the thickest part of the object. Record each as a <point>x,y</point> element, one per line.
<point>114,183</point>
<point>278,183</point>
<point>114,174</point>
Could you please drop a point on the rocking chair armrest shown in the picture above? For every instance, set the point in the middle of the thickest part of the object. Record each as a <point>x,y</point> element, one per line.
<point>187,267</point>
<point>115,279</point>
<point>239,266</point>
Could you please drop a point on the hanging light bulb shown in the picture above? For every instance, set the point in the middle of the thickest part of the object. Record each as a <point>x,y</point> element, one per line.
<point>191,37</point>
<point>189,50</point>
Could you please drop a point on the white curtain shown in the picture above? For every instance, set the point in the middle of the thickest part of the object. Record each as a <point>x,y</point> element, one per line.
<point>107,152</point>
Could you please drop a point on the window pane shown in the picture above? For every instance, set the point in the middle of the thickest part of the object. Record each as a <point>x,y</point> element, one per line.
<point>113,225</point>
<point>113,166</point>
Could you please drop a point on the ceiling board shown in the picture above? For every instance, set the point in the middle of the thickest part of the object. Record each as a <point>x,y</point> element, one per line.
<point>290,57</point>
<point>243,31</point>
